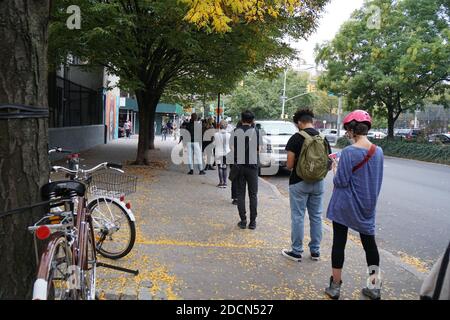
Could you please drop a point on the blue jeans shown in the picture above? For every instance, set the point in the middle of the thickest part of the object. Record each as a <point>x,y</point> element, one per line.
<point>301,196</point>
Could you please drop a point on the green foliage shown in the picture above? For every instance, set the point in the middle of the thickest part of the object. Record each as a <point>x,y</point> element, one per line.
<point>342,143</point>
<point>262,95</point>
<point>150,45</point>
<point>437,153</point>
<point>393,68</point>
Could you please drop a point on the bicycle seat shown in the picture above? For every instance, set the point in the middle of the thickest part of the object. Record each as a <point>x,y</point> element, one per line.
<point>63,189</point>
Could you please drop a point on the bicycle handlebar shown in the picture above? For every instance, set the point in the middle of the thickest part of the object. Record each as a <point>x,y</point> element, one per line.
<point>114,165</point>
<point>58,150</point>
<point>103,165</point>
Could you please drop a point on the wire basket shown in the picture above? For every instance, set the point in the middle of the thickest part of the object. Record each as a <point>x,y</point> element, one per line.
<point>113,184</point>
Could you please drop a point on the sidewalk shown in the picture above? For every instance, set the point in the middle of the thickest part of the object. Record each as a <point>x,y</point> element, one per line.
<point>189,246</point>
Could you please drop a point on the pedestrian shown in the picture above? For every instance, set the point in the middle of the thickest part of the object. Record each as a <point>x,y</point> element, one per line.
<point>164,132</point>
<point>127,127</point>
<point>306,192</point>
<point>194,147</point>
<point>234,184</point>
<point>357,185</point>
<point>208,125</point>
<point>176,131</point>
<point>246,143</point>
<point>222,149</point>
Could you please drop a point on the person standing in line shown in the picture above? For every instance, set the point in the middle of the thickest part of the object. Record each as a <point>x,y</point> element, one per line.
<point>194,146</point>
<point>208,125</point>
<point>357,185</point>
<point>305,194</point>
<point>222,149</point>
<point>246,143</point>
<point>234,196</point>
<point>176,131</point>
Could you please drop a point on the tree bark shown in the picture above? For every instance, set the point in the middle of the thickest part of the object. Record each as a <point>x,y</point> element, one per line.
<point>391,121</point>
<point>142,157</point>
<point>24,165</point>
<point>151,130</point>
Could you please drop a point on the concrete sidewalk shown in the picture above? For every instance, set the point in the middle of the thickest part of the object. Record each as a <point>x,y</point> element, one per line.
<point>189,246</point>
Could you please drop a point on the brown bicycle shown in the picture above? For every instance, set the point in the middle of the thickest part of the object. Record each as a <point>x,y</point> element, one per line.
<point>68,263</point>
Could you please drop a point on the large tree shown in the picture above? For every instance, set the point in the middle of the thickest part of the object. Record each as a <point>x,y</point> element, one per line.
<point>391,65</point>
<point>153,46</point>
<point>23,141</point>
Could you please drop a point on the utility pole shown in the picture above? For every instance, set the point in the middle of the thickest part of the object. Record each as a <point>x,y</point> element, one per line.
<point>339,117</point>
<point>283,98</point>
<point>218,110</point>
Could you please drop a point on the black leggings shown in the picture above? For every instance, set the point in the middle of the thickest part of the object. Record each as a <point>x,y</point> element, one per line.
<point>340,239</point>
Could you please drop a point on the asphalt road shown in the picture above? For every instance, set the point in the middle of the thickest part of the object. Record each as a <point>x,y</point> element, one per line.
<point>413,211</point>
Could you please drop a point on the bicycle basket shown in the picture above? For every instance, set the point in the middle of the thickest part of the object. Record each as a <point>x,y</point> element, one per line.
<point>114,184</point>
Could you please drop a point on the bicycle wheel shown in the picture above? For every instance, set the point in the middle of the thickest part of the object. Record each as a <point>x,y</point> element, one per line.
<point>115,232</point>
<point>55,280</point>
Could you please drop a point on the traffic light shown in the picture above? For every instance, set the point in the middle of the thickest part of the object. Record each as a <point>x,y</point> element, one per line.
<point>311,88</point>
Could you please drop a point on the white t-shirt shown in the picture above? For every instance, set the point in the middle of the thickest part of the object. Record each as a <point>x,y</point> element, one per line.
<point>222,143</point>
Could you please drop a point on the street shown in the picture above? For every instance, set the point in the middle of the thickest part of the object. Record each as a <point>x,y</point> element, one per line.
<point>413,212</point>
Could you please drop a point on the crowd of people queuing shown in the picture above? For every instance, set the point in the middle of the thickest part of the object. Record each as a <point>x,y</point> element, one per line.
<point>358,175</point>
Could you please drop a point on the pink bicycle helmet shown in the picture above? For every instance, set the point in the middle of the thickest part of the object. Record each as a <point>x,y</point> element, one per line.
<point>358,116</point>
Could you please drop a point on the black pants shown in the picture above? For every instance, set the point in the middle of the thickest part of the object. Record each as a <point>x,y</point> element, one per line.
<point>233,187</point>
<point>340,239</point>
<point>247,176</point>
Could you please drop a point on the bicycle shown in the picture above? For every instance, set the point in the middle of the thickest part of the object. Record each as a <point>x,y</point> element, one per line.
<point>113,219</point>
<point>68,264</point>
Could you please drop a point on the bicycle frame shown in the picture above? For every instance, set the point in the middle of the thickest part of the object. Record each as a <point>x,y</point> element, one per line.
<point>85,232</point>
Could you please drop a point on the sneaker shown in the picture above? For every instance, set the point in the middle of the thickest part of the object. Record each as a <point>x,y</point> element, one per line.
<point>224,186</point>
<point>372,294</point>
<point>219,185</point>
<point>252,225</point>
<point>234,202</point>
<point>202,173</point>
<point>291,255</point>
<point>315,256</point>
<point>242,224</point>
<point>334,290</point>
<point>191,172</point>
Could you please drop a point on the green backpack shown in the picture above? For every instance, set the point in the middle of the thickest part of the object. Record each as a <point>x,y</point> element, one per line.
<point>312,164</point>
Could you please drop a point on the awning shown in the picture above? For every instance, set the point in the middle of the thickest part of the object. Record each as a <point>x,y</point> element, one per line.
<point>165,108</point>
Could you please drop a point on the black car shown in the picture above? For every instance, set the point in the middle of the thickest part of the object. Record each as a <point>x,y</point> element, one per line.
<point>439,138</point>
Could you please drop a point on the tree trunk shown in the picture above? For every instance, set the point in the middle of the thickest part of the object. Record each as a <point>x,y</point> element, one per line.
<point>144,125</point>
<point>24,163</point>
<point>391,121</point>
<point>151,135</point>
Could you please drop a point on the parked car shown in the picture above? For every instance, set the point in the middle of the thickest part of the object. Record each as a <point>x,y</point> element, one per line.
<point>330,134</point>
<point>408,134</point>
<point>376,135</point>
<point>439,138</point>
<point>276,135</point>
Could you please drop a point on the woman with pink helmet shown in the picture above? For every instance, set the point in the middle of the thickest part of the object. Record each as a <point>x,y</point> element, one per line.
<point>357,184</point>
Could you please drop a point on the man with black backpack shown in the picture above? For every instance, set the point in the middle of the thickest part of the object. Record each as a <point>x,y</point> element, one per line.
<point>308,158</point>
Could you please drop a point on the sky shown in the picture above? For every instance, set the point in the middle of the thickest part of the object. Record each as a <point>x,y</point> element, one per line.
<point>335,14</point>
